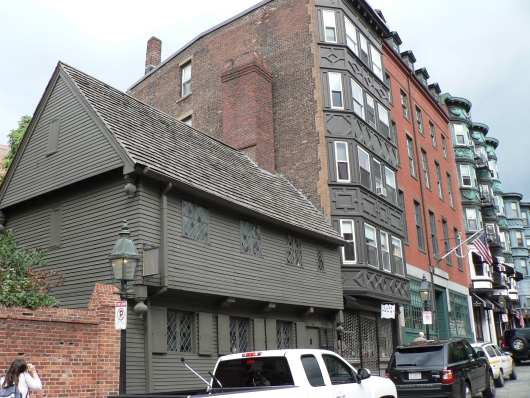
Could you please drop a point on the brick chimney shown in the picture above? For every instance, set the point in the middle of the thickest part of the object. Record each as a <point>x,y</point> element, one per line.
<point>153,55</point>
<point>248,122</point>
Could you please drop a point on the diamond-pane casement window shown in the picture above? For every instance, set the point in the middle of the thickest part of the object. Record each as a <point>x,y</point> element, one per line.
<point>179,331</point>
<point>238,335</point>
<point>320,258</point>
<point>283,335</point>
<point>194,221</point>
<point>294,250</point>
<point>250,238</point>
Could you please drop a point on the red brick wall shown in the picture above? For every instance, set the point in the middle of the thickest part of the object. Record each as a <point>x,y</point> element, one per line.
<point>282,32</point>
<point>76,352</point>
<point>411,187</point>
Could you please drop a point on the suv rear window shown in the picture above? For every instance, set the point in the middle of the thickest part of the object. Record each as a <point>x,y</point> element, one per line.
<point>248,372</point>
<point>419,356</point>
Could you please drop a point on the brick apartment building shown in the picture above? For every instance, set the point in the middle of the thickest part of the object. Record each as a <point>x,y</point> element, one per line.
<point>299,86</point>
<point>428,190</point>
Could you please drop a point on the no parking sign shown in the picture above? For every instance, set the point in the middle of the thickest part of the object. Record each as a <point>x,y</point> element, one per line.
<point>121,314</point>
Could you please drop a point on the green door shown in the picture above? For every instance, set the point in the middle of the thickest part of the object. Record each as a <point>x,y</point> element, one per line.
<point>442,317</point>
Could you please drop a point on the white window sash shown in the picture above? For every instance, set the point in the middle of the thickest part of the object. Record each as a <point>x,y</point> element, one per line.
<point>351,36</point>
<point>350,229</point>
<point>377,64</point>
<point>341,148</point>
<point>329,23</point>
<point>335,86</point>
<point>358,102</point>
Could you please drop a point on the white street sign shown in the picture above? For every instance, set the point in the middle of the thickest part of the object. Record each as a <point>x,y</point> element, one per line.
<point>388,311</point>
<point>121,314</point>
<point>427,317</point>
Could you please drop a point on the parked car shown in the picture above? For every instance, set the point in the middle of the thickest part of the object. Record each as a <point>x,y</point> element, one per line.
<point>294,373</point>
<point>516,342</point>
<point>442,368</point>
<point>502,364</point>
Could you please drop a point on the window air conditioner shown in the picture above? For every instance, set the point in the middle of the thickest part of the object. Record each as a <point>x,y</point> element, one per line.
<point>380,191</point>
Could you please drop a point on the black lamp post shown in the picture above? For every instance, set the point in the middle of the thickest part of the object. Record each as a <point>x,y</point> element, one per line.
<point>124,260</point>
<point>502,303</point>
<point>425,293</point>
<point>340,331</point>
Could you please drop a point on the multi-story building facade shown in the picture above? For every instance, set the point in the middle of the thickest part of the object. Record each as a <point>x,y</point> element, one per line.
<point>299,86</point>
<point>428,191</point>
<point>493,287</point>
<point>523,285</point>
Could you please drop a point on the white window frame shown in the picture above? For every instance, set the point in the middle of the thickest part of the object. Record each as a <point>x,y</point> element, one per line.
<point>377,62</point>
<point>419,120</point>
<point>363,49</point>
<point>425,165</point>
<point>186,80</point>
<point>390,181</point>
<point>471,214</point>
<point>385,249</point>
<point>524,216</point>
<point>438,173</point>
<point>499,204</point>
<point>346,160</point>
<point>378,180</point>
<point>444,145</point>
<point>405,104</point>
<point>352,225</point>
<point>382,115</point>
<point>410,153</point>
<point>335,78</point>
<point>361,153</point>
<point>432,130</point>
<point>396,243</point>
<point>351,36</point>
<point>514,210</point>
<point>370,105</point>
<point>519,238</point>
<point>466,174</point>
<point>374,246</point>
<point>460,131</point>
<point>358,98</point>
<point>450,190</point>
<point>330,22</point>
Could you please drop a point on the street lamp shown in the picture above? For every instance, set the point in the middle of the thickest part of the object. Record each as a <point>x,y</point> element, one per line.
<point>425,293</point>
<point>502,302</point>
<point>340,331</point>
<point>124,260</point>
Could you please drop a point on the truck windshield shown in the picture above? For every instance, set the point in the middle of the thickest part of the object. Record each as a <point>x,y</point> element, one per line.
<point>254,372</point>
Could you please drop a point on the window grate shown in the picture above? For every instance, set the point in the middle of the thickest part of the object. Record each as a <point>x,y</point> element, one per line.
<point>350,336</point>
<point>179,331</point>
<point>294,250</point>
<point>283,335</point>
<point>320,258</point>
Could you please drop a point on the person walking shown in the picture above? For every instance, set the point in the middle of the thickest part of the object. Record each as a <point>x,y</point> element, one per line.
<point>421,337</point>
<point>22,375</point>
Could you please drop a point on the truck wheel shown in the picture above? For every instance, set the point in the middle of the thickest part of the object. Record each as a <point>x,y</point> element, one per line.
<point>513,375</point>
<point>518,344</point>
<point>499,381</point>
<point>467,391</point>
<point>489,392</point>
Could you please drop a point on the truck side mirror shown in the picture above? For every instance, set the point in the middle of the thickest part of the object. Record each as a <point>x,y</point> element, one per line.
<point>364,373</point>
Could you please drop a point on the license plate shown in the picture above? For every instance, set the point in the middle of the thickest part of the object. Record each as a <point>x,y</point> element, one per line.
<point>415,376</point>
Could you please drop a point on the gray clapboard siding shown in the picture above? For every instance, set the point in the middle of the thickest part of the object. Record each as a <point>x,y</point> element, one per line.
<point>219,267</point>
<point>82,151</point>
<point>91,218</point>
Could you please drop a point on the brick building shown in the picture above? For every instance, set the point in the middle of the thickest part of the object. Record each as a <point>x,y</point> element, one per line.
<point>299,86</point>
<point>428,190</point>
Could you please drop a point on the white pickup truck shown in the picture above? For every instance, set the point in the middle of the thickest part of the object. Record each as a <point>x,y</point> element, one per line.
<point>294,373</point>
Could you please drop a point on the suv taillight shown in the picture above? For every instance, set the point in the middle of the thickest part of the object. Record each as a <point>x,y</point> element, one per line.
<point>448,376</point>
<point>503,343</point>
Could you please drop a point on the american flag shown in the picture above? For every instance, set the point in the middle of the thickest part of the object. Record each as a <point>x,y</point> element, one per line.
<point>481,244</point>
<point>519,318</point>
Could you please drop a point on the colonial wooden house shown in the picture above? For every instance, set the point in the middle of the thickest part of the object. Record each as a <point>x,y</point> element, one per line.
<point>245,261</point>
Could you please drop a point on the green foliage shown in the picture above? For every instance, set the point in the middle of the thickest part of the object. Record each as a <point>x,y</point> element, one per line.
<point>15,136</point>
<point>22,281</point>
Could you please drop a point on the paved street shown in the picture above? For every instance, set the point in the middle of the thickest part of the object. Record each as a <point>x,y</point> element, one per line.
<point>515,388</point>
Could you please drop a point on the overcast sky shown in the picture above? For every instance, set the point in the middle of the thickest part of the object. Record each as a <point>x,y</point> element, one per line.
<point>476,49</point>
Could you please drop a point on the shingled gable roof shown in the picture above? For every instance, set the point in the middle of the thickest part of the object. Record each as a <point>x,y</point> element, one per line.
<point>192,160</point>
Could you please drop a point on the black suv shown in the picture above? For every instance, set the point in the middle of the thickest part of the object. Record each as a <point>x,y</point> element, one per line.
<point>442,368</point>
<point>516,341</point>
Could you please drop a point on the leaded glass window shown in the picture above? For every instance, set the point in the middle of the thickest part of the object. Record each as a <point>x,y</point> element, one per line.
<point>294,250</point>
<point>179,331</point>
<point>320,258</point>
<point>250,238</point>
<point>283,335</point>
<point>194,221</point>
<point>459,323</point>
<point>238,335</point>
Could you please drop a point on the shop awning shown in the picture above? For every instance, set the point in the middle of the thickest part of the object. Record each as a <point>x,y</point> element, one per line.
<point>518,276</point>
<point>478,301</point>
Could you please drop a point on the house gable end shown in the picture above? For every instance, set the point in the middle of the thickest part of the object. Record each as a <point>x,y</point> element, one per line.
<point>66,142</point>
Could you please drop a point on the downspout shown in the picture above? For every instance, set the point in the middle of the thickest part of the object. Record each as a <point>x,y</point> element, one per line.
<point>163,261</point>
<point>424,207</point>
